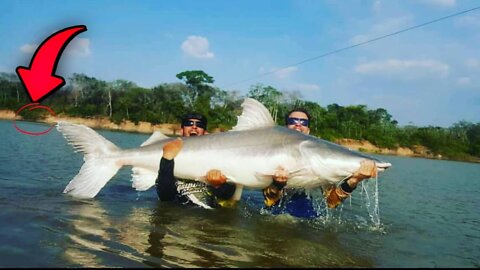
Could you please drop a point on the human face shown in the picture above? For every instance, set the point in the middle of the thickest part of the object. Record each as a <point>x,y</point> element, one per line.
<point>190,128</point>
<point>298,126</point>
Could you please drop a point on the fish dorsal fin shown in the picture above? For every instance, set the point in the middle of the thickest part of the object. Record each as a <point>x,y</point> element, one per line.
<point>156,136</point>
<point>254,115</point>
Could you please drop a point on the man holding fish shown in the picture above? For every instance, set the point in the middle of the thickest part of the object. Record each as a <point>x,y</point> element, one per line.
<point>217,193</point>
<point>295,201</point>
<point>250,155</point>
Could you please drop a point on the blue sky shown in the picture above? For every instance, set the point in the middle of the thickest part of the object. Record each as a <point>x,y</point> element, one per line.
<point>427,76</point>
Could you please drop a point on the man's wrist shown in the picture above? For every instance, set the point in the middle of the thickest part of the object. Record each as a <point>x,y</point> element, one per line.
<point>279,185</point>
<point>345,186</point>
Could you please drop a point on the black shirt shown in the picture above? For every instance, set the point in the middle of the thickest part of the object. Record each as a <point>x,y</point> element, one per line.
<point>189,192</point>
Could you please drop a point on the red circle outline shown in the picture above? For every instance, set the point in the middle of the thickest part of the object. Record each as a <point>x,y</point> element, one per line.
<point>52,113</point>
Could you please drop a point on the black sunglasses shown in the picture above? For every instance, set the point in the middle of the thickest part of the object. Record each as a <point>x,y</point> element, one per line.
<point>190,123</point>
<point>301,121</point>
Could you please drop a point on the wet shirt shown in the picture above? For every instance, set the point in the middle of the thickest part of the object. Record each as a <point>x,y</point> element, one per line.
<point>295,203</point>
<point>190,192</point>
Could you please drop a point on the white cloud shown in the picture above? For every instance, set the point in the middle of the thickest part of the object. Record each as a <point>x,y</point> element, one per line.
<point>377,6</point>
<point>306,87</point>
<point>468,21</point>
<point>284,73</point>
<point>197,47</point>
<point>77,47</point>
<point>472,63</point>
<point>406,69</point>
<point>28,48</point>
<point>464,81</point>
<point>441,3</point>
<point>386,27</point>
<point>359,39</point>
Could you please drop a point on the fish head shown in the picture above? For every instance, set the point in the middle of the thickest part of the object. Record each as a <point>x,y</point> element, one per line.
<point>332,163</point>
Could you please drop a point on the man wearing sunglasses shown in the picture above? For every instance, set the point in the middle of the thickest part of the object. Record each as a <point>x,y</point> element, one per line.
<point>194,124</point>
<point>296,202</point>
<point>298,119</point>
<point>188,192</point>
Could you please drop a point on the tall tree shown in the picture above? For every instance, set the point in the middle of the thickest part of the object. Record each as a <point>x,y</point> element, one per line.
<point>268,95</point>
<point>199,91</point>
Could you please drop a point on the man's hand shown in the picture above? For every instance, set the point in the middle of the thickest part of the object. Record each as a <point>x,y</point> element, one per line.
<point>273,193</point>
<point>368,169</point>
<point>216,178</point>
<point>171,149</point>
<point>281,175</point>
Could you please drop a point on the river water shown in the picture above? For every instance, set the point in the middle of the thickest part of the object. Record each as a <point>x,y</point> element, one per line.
<point>427,215</point>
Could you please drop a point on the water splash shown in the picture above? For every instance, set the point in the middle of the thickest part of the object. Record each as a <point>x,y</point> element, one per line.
<point>352,217</point>
<point>371,201</point>
<point>367,196</point>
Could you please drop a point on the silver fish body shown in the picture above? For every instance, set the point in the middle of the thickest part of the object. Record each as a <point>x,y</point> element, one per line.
<point>248,156</point>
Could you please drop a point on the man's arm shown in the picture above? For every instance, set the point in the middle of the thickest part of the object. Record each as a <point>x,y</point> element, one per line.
<point>165,183</point>
<point>336,195</point>
<point>273,193</point>
<point>220,188</point>
<point>224,191</point>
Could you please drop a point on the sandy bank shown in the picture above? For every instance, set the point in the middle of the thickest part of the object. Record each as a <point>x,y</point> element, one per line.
<point>104,123</point>
<point>366,146</point>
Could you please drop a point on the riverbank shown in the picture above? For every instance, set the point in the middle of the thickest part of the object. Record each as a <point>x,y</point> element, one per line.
<point>104,123</point>
<point>174,130</point>
<point>366,146</point>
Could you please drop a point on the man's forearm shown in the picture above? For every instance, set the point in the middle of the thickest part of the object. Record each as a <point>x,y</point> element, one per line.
<point>224,191</point>
<point>273,193</point>
<point>165,183</point>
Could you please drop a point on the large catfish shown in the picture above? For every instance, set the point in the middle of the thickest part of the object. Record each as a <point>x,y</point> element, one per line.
<point>248,155</point>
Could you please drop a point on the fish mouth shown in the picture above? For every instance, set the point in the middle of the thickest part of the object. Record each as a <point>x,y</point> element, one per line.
<point>381,166</point>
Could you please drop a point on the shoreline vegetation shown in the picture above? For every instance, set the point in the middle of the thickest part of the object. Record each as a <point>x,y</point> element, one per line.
<point>124,106</point>
<point>175,130</point>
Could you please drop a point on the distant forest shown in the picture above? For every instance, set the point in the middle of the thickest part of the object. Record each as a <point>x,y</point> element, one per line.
<point>120,100</point>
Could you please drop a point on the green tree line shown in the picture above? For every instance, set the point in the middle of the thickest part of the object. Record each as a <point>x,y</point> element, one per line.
<point>120,100</point>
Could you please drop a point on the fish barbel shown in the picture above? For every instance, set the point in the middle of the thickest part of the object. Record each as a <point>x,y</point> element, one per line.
<point>248,156</point>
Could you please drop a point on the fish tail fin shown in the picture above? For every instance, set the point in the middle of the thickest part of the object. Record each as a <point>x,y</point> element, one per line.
<point>99,166</point>
<point>143,179</point>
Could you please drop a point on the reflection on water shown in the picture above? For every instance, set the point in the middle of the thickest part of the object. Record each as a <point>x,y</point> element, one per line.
<point>226,238</point>
<point>97,240</point>
<point>88,234</point>
<point>168,235</point>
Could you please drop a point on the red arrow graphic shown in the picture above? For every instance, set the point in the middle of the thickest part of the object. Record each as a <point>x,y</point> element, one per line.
<point>39,79</point>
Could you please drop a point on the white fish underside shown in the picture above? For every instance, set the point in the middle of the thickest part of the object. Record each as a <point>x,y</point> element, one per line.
<point>248,155</point>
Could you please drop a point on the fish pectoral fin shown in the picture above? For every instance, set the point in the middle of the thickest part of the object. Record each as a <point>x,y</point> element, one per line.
<point>301,172</point>
<point>265,177</point>
<point>201,179</point>
<point>143,179</point>
<point>291,173</point>
<point>238,192</point>
<point>229,179</point>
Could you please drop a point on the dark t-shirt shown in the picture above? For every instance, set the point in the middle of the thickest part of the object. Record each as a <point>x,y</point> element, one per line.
<point>189,192</point>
